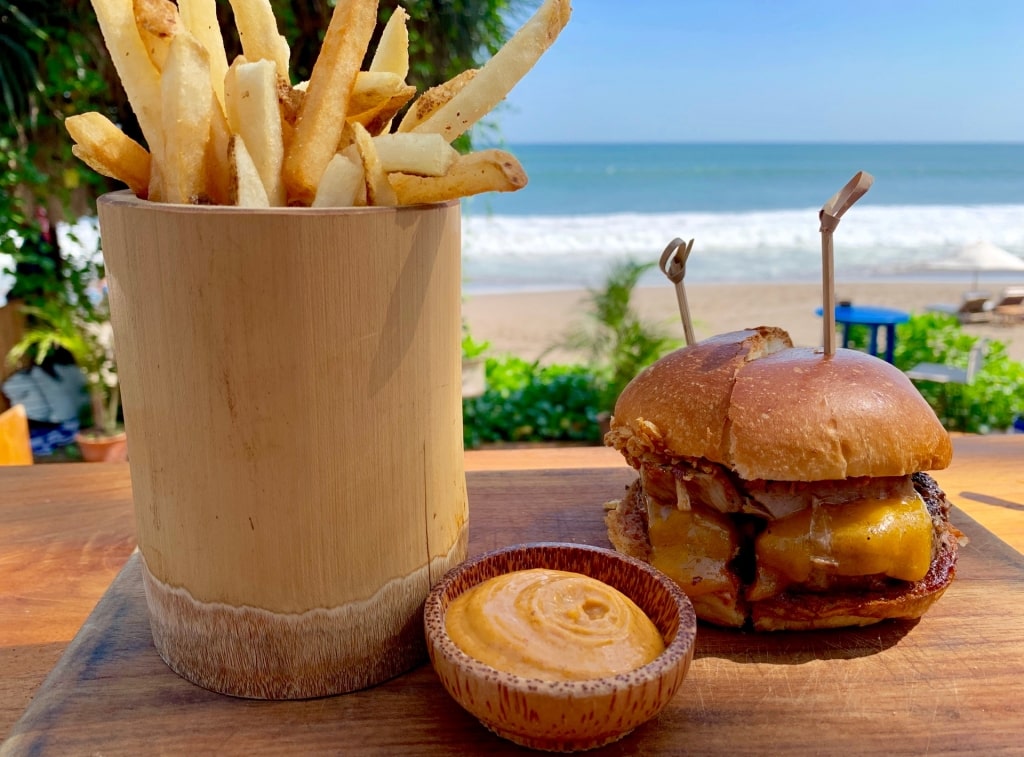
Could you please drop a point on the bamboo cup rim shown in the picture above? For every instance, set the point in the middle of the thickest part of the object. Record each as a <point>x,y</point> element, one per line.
<point>125,197</point>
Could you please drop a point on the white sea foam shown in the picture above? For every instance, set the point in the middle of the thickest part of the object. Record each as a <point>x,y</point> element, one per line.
<point>509,252</point>
<point>504,252</point>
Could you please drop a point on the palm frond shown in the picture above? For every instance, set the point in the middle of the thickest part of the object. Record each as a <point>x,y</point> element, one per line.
<point>19,70</point>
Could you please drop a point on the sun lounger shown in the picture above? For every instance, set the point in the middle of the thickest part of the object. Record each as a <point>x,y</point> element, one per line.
<point>1009,308</point>
<point>973,308</point>
<point>1010,296</point>
<point>948,374</point>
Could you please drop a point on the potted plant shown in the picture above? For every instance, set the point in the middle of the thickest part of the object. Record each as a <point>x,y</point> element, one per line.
<point>80,326</point>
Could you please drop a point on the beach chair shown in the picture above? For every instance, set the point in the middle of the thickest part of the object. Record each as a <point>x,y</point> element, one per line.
<point>1009,308</point>
<point>949,374</point>
<point>974,308</point>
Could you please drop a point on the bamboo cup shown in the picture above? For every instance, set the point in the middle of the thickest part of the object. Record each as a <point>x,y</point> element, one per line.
<point>292,396</point>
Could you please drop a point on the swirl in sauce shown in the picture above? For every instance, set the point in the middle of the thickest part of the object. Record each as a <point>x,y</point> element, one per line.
<point>553,625</point>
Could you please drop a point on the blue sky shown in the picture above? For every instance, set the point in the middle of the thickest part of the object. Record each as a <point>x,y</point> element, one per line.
<point>777,70</point>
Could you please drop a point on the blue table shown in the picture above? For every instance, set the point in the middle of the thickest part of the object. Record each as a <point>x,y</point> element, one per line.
<point>874,318</point>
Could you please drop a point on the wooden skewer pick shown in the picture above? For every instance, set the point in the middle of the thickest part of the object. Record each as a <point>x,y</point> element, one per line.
<point>829,216</point>
<point>673,265</point>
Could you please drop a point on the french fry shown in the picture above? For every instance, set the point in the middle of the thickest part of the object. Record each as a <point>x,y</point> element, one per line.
<point>322,115</point>
<point>378,188</point>
<point>341,183</point>
<point>139,77</point>
<point>502,72</point>
<point>378,120</point>
<point>158,22</point>
<point>199,17</point>
<point>352,153</point>
<point>253,113</point>
<point>391,56</point>
<point>289,99</point>
<point>376,98</point>
<point>392,53</point>
<point>242,133</point>
<point>432,99</point>
<point>373,92</point>
<point>484,171</point>
<point>419,154</point>
<point>109,151</point>
<point>257,31</point>
<point>246,186</point>
<point>217,167</point>
<point>156,180</point>
<point>371,88</point>
<point>187,110</point>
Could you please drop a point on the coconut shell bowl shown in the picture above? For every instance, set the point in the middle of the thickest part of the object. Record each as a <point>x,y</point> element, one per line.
<point>564,716</point>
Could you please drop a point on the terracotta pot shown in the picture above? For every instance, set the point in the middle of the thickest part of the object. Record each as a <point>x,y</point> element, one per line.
<point>103,449</point>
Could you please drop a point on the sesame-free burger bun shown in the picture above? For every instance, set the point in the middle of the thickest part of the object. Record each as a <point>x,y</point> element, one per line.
<point>752,402</point>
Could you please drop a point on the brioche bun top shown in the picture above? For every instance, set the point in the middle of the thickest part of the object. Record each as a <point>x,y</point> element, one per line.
<point>752,402</point>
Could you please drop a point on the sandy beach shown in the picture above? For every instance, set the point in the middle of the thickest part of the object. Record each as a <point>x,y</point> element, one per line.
<point>529,324</point>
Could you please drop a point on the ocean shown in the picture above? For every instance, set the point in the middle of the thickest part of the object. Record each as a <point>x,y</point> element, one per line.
<point>752,210</point>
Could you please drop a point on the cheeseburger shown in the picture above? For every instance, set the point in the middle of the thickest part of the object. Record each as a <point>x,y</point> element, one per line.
<point>781,488</point>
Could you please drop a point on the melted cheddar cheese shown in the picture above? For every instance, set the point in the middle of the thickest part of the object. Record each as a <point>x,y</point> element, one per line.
<point>887,536</point>
<point>692,547</point>
<point>697,547</point>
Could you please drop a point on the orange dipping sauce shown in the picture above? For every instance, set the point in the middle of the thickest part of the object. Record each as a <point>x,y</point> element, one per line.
<point>554,625</point>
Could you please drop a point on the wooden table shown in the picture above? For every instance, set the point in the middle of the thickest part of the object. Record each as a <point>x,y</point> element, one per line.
<point>951,683</point>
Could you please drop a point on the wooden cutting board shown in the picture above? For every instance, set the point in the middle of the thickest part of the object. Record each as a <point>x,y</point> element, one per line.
<point>951,683</point>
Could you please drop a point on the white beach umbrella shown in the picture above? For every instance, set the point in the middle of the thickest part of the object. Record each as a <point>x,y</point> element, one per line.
<point>980,257</point>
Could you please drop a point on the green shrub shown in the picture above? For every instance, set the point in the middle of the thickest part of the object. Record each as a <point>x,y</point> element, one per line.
<point>471,348</point>
<point>995,398</point>
<point>931,338</point>
<point>857,337</point>
<point>527,402</point>
<point>615,341</point>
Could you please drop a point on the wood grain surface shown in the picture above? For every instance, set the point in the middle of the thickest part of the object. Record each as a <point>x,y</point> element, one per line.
<point>948,684</point>
<point>65,532</point>
<point>986,480</point>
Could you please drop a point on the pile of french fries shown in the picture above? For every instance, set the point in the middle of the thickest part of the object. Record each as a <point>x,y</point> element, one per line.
<point>243,134</point>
